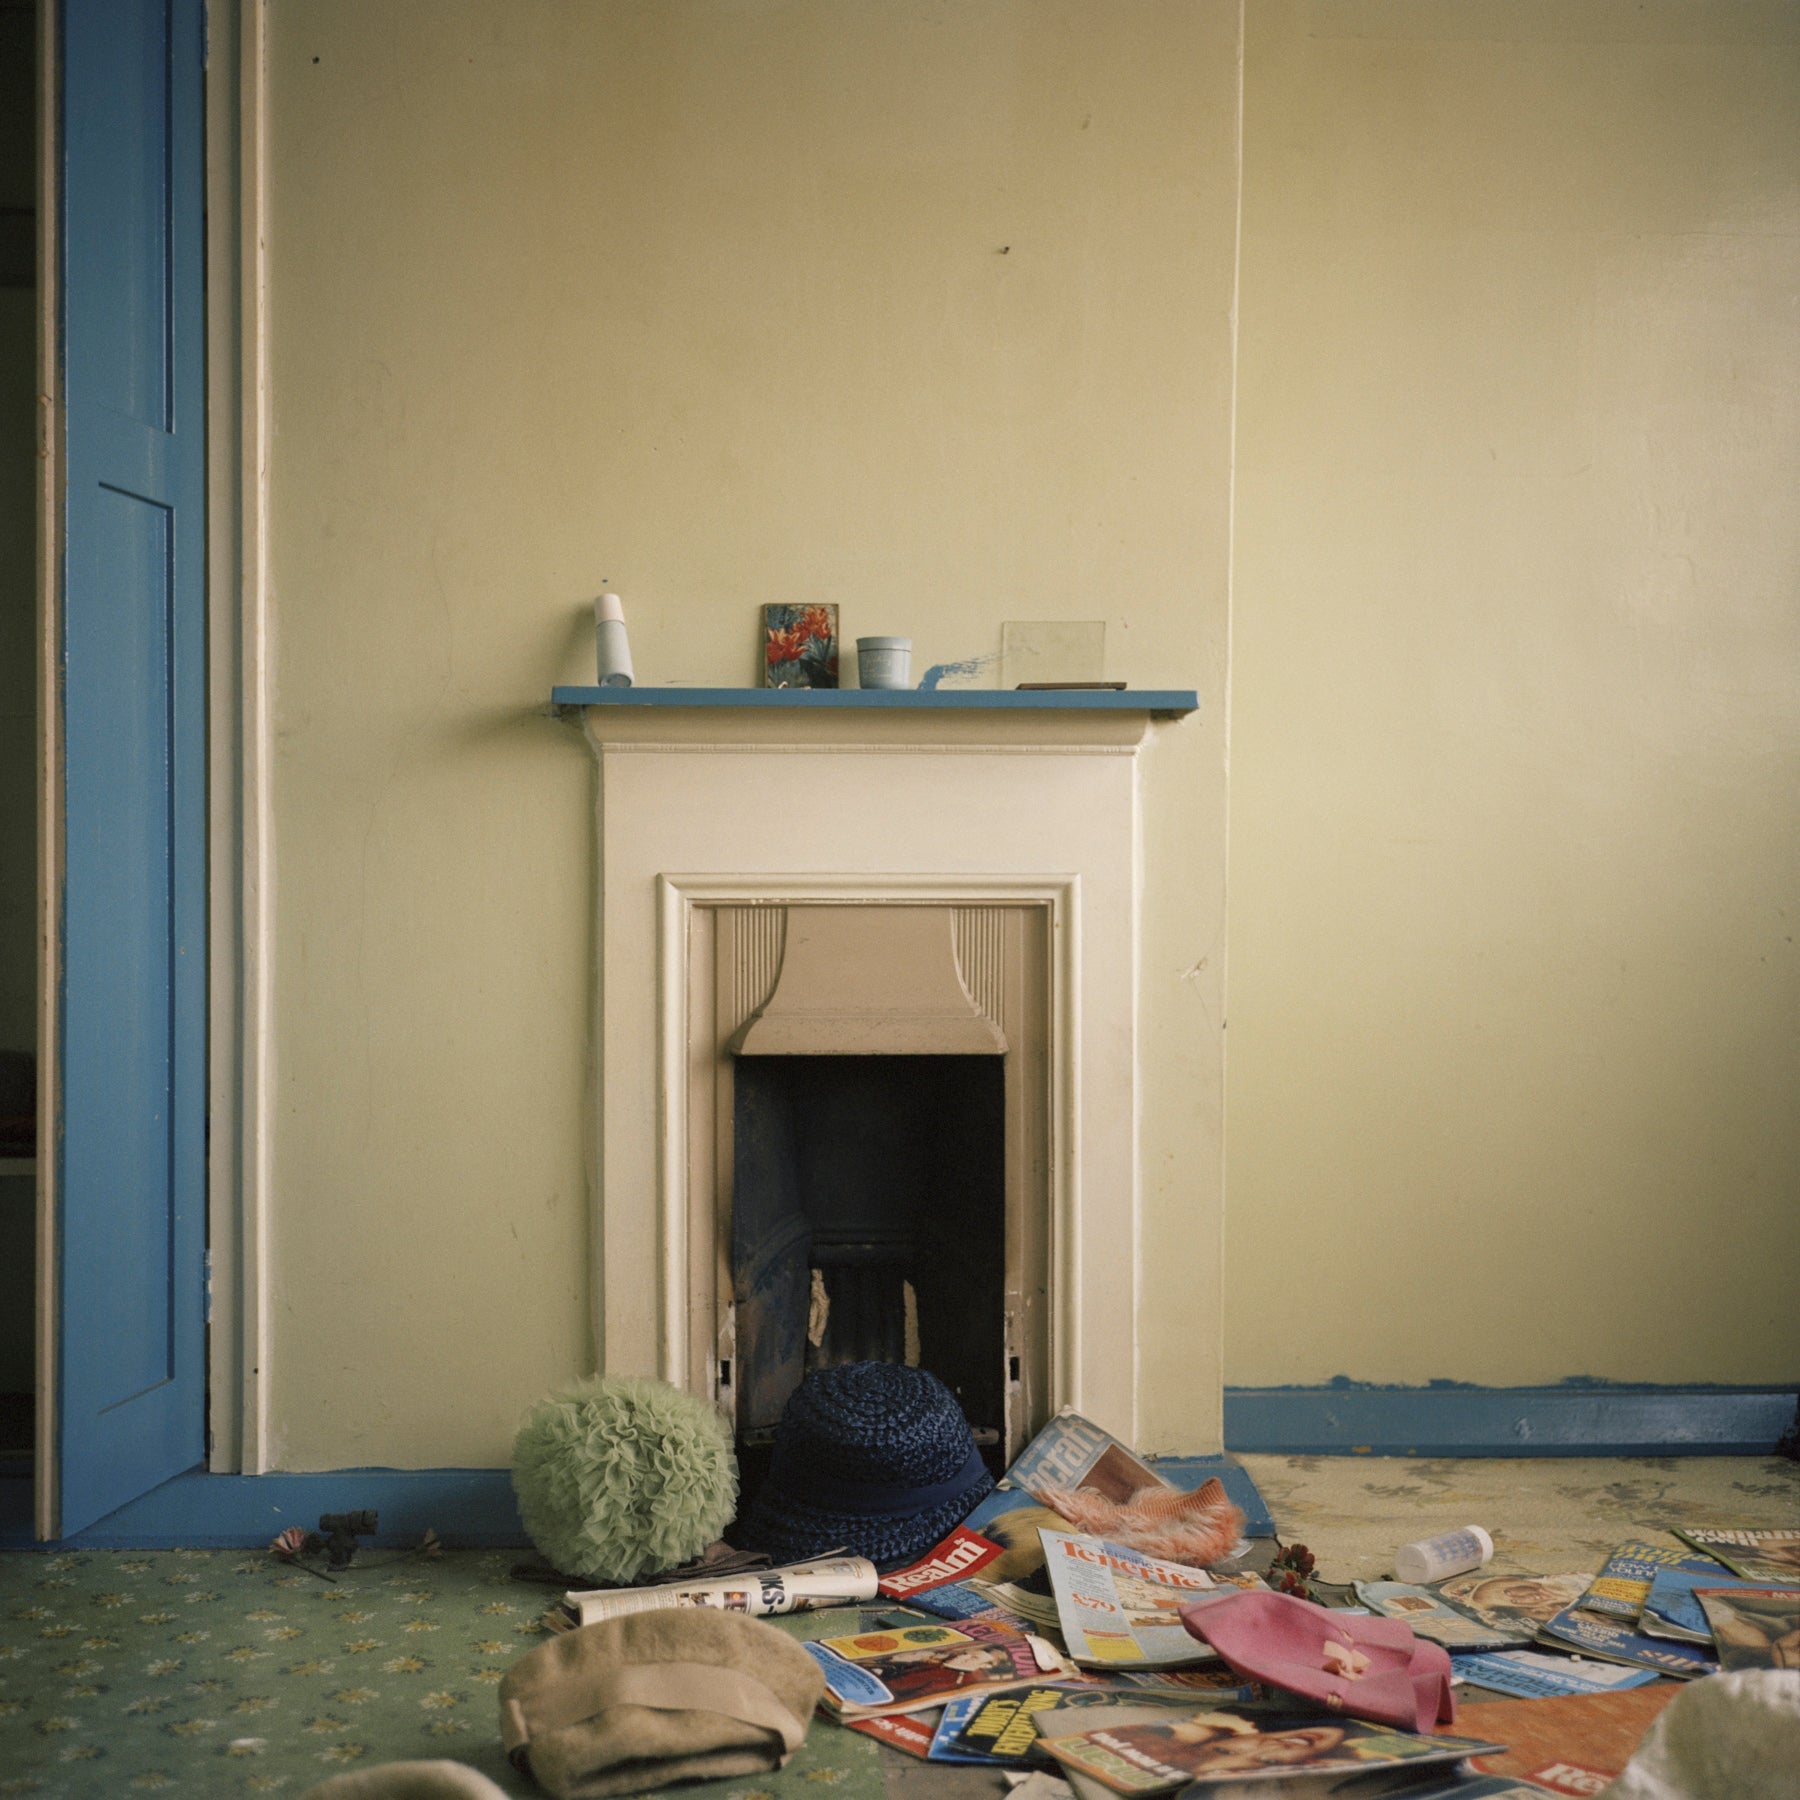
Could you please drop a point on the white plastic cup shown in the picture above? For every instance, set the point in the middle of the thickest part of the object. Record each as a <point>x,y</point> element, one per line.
<point>611,651</point>
<point>884,662</point>
<point>1438,1558</point>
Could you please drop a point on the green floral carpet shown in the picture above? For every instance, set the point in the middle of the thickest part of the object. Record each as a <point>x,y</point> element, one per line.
<point>223,1672</point>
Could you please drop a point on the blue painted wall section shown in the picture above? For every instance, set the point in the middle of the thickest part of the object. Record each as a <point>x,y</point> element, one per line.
<point>465,1507</point>
<point>1581,1417</point>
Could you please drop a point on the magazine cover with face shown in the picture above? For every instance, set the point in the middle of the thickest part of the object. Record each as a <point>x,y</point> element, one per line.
<point>1771,1554</point>
<point>1518,1603</point>
<point>1755,1628</point>
<point>1217,1747</point>
<point>910,1667</point>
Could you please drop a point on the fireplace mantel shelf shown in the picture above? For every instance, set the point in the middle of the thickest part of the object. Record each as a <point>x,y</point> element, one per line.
<point>1159,703</point>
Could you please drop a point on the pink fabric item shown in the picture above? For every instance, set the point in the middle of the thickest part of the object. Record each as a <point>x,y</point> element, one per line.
<point>1309,1650</point>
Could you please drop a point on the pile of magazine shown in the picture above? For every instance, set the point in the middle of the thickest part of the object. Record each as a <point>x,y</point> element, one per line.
<point>1722,1597</point>
<point>1020,1643</point>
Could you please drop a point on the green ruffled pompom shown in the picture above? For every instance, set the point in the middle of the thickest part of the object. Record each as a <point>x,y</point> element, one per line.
<point>619,1477</point>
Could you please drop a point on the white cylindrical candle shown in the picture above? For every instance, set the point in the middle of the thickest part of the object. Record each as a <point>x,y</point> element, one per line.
<point>611,651</point>
<point>1438,1558</point>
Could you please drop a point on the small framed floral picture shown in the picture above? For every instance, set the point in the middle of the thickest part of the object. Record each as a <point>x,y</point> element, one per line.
<point>800,646</point>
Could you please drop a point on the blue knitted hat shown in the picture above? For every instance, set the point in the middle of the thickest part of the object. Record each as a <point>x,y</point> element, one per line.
<point>872,1457</point>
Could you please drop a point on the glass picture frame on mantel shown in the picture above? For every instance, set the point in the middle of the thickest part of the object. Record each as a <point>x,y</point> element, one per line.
<point>800,646</point>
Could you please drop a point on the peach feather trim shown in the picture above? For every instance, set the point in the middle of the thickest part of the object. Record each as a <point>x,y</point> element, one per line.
<point>1196,1529</point>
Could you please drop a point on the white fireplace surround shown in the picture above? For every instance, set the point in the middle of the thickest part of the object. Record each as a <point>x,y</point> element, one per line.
<point>705,806</point>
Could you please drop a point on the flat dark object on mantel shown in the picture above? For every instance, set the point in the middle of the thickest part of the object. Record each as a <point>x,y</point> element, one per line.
<point>718,1558</point>
<point>1069,687</point>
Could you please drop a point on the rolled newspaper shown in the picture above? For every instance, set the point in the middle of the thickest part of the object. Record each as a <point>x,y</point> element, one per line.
<point>797,1587</point>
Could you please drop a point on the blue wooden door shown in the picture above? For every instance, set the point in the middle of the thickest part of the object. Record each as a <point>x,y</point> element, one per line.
<point>131,1150</point>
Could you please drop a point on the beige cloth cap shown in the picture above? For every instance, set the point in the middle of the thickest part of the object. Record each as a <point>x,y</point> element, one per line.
<point>680,1694</point>
<point>408,1781</point>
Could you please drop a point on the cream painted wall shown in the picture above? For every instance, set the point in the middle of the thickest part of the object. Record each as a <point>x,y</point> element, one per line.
<point>924,309</point>
<point>927,309</point>
<point>1514,1088</point>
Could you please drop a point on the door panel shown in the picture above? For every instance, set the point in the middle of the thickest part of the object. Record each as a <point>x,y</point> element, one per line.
<point>130,1292</point>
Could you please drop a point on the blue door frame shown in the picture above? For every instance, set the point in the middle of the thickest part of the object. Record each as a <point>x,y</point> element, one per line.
<point>131,1139</point>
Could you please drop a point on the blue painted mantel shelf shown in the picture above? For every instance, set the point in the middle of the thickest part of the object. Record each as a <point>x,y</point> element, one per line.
<point>1159,703</point>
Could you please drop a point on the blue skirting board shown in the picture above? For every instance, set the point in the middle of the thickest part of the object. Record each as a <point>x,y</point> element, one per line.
<point>1576,1418</point>
<point>476,1506</point>
<point>201,1510</point>
<point>463,1506</point>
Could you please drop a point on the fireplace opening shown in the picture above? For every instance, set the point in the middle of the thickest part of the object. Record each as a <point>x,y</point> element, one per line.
<point>868,1223</point>
<point>869,1165</point>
